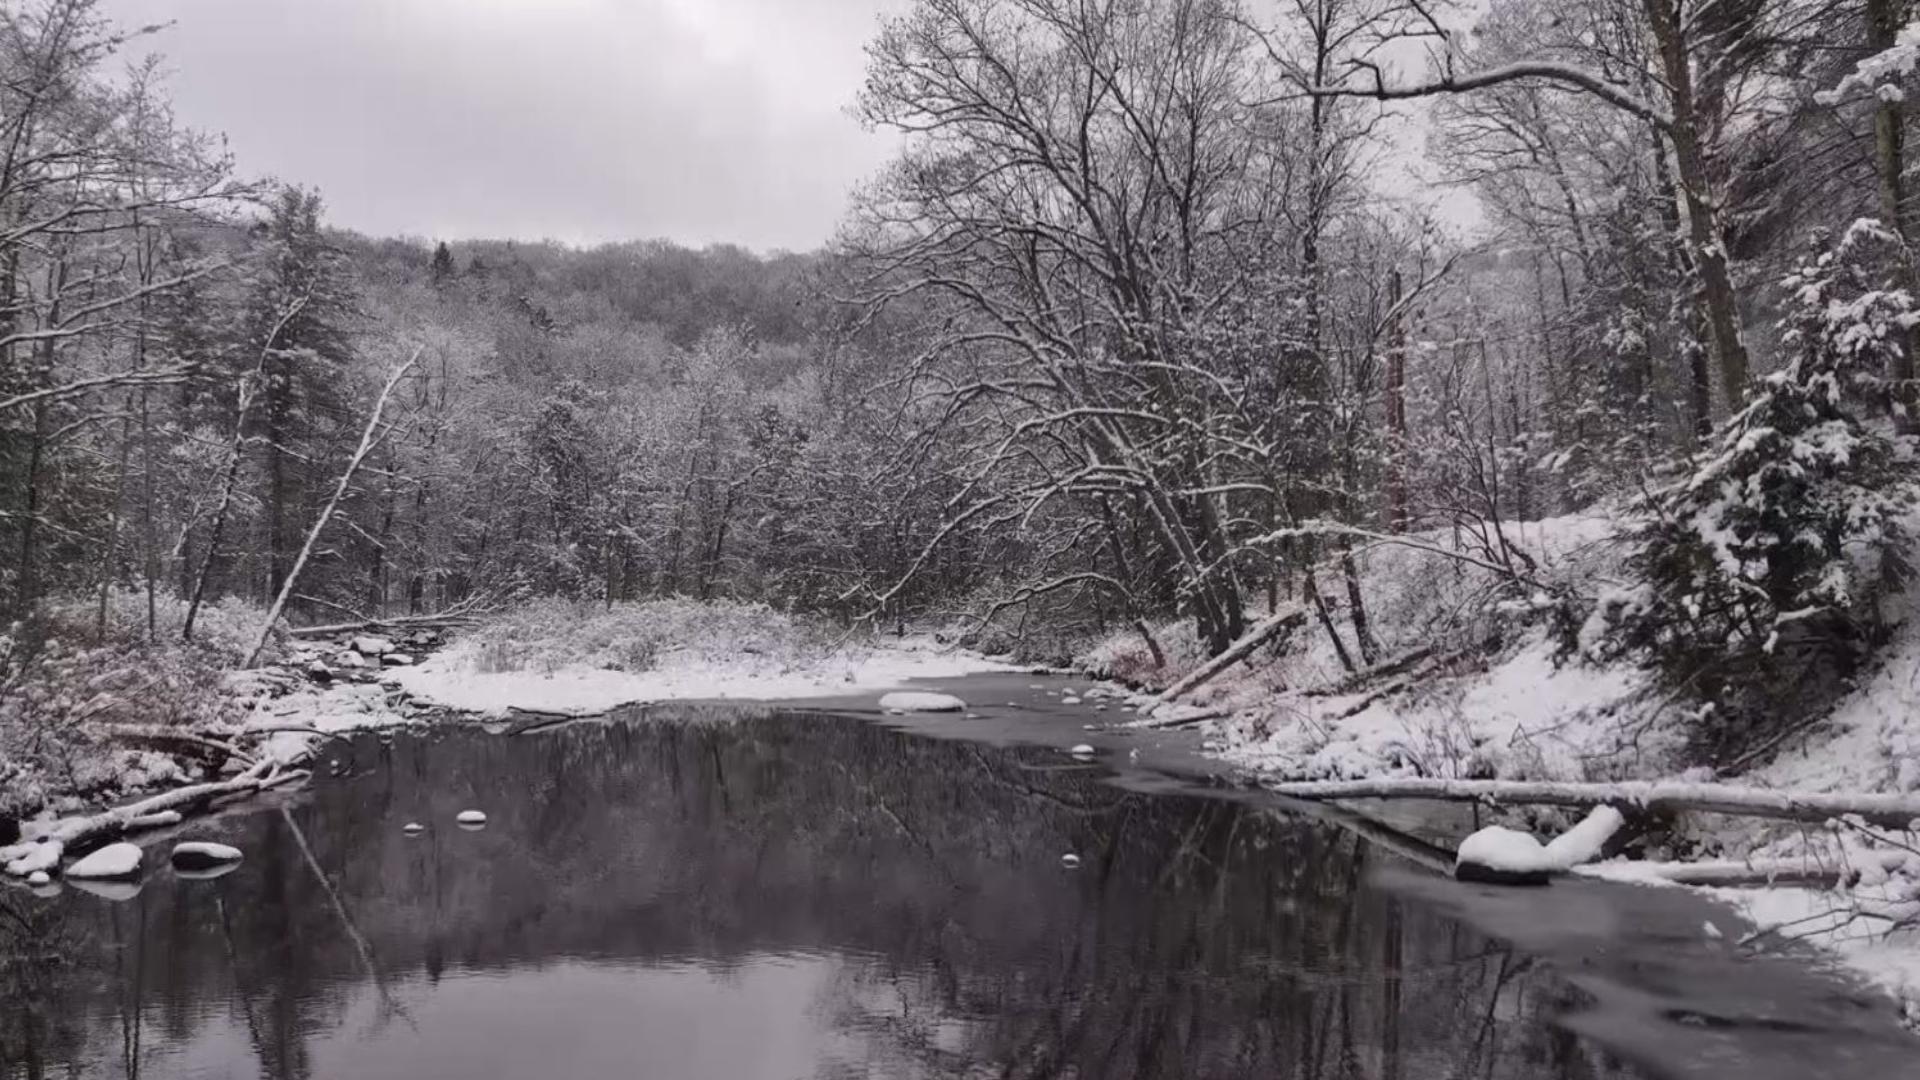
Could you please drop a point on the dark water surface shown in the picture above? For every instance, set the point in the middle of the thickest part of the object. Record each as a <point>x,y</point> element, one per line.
<point>731,895</point>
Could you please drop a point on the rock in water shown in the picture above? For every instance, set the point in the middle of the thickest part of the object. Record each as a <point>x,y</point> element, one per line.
<point>1070,861</point>
<point>1502,856</point>
<point>120,860</point>
<point>372,646</point>
<point>200,855</point>
<point>396,659</point>
<point>922,701</point>
<point>118,890</point>
<point>471,817</point>
<point>413,828</point>
<point>1082,750</point>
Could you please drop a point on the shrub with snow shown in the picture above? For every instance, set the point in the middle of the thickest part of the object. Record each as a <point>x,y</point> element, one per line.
<point>67,678</point>
<point>553,635</point>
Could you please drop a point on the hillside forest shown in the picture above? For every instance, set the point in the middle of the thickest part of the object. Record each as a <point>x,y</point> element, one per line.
<point>1131,338</point>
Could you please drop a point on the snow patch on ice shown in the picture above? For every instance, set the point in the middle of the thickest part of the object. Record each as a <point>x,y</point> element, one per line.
<point>452,679</point>
<point>922,701</point>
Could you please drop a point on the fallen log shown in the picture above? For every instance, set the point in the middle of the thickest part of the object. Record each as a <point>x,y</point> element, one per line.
<point>397,622</point>
<point>1238,651</point>
<point>1887,811</point>
<point>42,849</point>
<point>165,737</point>
<point>1733,873</point>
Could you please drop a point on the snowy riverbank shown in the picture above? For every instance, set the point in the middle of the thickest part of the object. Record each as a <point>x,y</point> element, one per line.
<point>267,726</point>
<point>1471,680</point>
<point>454,679</point>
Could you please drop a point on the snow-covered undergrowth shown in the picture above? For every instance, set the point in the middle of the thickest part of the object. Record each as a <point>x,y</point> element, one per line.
<point>559,657</point>
<point>1483,692</point>
<point>69,681</point>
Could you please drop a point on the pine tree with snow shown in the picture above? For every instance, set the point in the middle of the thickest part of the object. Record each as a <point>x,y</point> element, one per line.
<point>1763,574</point>
<point>442,266</point>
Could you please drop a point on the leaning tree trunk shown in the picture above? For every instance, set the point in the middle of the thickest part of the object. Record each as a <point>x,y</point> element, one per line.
<point>368,440</point>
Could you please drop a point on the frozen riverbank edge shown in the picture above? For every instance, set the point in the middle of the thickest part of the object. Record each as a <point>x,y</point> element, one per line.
<point>359,682</point>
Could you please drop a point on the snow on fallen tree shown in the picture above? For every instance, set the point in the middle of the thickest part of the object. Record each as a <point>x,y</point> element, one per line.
<point>1887,811</point>
<point>43,845</point>
<point>1238,651</point>
<point>1503,856</point>
<point>1807,869</point>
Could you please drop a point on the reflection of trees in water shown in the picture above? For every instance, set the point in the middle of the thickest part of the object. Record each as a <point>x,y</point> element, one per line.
<point>1199,938</point>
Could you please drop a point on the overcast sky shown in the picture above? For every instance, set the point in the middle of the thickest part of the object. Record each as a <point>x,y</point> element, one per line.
<point>577,120</point>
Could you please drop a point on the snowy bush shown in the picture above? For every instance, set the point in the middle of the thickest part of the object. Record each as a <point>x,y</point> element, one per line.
<point>1761,577</point>
<point>552,635</point>
<point>68,678</point>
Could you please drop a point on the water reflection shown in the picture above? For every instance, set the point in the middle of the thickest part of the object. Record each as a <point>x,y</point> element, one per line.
<point>766,897</point>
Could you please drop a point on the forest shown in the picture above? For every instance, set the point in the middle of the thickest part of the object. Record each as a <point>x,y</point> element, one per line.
<point>1133,343</point>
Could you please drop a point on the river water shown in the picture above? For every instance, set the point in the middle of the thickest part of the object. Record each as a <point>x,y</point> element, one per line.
<point>732,894</point>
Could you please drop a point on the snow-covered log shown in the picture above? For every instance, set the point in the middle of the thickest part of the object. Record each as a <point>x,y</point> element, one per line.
<point>43,848</point>
<point>1286,619</point>
<point>1888,811</point>
<point>1737,873</point>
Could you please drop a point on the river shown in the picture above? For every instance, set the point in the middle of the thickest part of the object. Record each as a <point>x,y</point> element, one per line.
<point>733,893</point>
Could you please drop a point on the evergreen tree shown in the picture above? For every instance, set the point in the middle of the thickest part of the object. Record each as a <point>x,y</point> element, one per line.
<point>1763,575</point>
<point>298,312</point>
<point>442,269</point>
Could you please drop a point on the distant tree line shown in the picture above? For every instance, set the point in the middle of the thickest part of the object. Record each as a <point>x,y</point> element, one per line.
<point>1128,331</point>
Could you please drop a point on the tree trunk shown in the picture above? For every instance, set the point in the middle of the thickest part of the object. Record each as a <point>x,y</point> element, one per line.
<point>1884,21</point>
<point>1708,243</point>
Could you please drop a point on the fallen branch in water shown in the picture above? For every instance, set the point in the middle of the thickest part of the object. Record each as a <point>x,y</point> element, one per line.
<point>1888,811</point>
<point>1180,721</point>
<point>1733,873</point>
<point>42,850</point>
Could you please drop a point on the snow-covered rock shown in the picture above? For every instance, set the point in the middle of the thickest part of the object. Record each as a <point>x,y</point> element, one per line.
<point>396,659</point>
<point>369,645</point>
<point>1502,856</point>
<point>1082,750</point>
<point>119,860</point>
<point>319,672</point>
<point>31,857</point>
<point>922,701</point>
<point>1070,861</point>
<point>1070,700</point>
<point>38,877</point>
<point>201,855</point>
<point>471,817</point>
<point>413,828</point>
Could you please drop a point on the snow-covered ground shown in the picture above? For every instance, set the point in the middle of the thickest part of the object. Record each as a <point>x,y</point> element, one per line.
<point>580,659</point>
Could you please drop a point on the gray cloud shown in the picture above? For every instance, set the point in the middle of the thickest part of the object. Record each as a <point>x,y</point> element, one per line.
<point>579,120</point>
